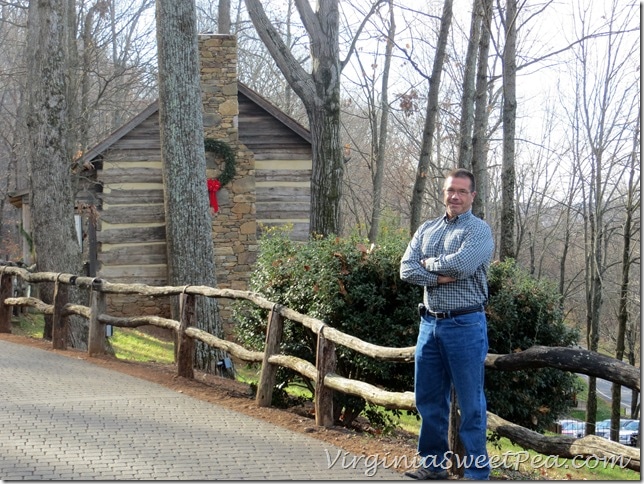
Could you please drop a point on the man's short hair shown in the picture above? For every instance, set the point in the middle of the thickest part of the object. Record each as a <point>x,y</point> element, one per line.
<point>463,173</point>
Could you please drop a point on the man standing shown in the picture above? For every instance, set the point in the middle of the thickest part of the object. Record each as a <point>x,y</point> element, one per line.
<point>450,256</point>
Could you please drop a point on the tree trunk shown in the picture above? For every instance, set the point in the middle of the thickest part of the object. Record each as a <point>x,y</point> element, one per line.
<point>567,359</point>
<point>187,212</point>
<point>289,101</point>
<point>567,236</point>
<point>328,163</point>
<point>320,93</point>
<point>420,183</point>
<point>479,135</point>
<point>326,176</point>
<point>592,448</point>
<point>507,248</point>
<point>594,292</point>
<point>378,176</point>
<point>455,443</point>
<point>52,199</point>
<point>223,17</point>
<point>622,315</point>
<point>85,83</point>
<point>469,78</point>
<point>78,126</point>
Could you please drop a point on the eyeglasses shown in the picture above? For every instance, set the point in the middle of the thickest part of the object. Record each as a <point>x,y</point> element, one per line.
<point>461,193</point>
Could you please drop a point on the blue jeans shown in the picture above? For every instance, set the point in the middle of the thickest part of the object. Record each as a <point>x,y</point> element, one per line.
<point>452,351</point>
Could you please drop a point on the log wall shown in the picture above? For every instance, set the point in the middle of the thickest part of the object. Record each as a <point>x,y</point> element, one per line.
<point>282,169</point>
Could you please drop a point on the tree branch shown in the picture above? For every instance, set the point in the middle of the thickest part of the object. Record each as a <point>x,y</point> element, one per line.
<point>373,9</point>
<point>300,80</point>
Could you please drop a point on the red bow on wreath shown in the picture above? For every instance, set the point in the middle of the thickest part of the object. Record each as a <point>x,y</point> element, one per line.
<point>213,186</point>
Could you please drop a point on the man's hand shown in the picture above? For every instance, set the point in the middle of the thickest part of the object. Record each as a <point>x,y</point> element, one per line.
<point>445,279</point>
<point>441,279</point>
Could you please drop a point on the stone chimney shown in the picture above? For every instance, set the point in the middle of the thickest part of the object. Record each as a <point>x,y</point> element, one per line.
<point>234,225</point>
<point>218,55</point>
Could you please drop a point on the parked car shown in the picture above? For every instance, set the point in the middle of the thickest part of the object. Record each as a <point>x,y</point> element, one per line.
<point>626,433</point>
<point>559,424</point>
<point>602,428</point>
<point>573,428</point>
<point>635,439</point>
<point>564,422</point>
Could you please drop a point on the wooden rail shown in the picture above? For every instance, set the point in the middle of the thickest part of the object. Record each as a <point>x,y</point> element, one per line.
<point>323,372</point>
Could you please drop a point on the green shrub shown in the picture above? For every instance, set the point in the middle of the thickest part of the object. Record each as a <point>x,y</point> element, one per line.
<point>350,286</point>
<point>356,289</point>
<point>524,312</point>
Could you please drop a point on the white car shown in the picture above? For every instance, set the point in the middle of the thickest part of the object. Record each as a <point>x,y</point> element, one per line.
<point>626,432</point>
<point>573,428</point>
<point>565,422</point>
<point>602,428</point>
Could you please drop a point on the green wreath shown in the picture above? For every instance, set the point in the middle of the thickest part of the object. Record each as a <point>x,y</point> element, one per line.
<point>224,150</point>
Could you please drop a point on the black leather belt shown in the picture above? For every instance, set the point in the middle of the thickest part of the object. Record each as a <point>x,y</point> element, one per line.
<point>449,314</point>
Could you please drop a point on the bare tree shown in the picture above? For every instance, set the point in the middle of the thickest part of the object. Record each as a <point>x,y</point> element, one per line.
<point>320,93</point>
<point>110,65</point>
<point>430,119</point>
<point>12,131</point>
<point>508,176</point>
<point>632,205</point>
<point>191,258</point>
<point>469,78</point>
<point>128,83</point>
<point>605,100</point>
<point>479,135</point>
<point>223,17</point>
<point>381,138</point>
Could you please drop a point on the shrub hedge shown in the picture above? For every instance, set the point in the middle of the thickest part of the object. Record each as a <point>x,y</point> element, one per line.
<point>356,288</point>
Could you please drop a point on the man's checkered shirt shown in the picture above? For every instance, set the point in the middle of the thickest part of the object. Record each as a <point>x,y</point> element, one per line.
<point>461,248</point>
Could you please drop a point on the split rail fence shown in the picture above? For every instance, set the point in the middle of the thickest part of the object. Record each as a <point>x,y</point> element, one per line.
<point>323,372</point>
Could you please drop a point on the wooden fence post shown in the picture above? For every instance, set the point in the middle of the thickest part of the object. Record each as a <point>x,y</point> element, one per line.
<point>185,344</point>
<point>458,450</point>
<point>325,363</point>
<point>267,376</point>
<point>58,321</point>
<point>6,290</point>
<point>96,339</point>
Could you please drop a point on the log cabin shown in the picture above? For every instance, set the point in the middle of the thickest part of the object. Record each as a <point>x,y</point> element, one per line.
<point>121,203</point>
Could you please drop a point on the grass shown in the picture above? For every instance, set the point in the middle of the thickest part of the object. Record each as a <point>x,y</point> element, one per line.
<point>30,325</point>
<point>127,343</point>
<point>248,373</point>
<point>131,344</point>
<point>603,407</point>
<point>537,466</point>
